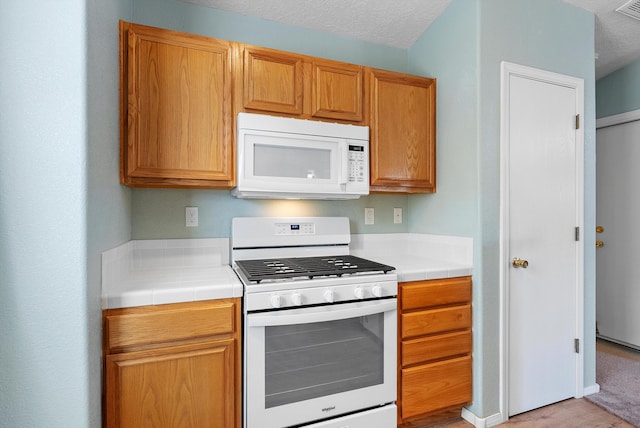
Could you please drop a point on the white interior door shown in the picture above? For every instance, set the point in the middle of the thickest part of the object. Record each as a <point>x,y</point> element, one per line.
<point>541,196</point>
<point>618,211</point>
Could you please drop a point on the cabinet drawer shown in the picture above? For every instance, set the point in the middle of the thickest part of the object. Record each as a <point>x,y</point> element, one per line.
<point>439,385</point>
<point>423,294</point>
<point>435,321</point>
<point>151,326</point>
<point>435,347</point>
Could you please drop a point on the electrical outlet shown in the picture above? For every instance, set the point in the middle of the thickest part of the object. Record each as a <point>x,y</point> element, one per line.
<point>191,216</point>
<point>368,216</point>
<point>397,215</point>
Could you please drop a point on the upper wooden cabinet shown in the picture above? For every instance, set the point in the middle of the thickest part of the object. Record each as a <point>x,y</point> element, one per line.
<point>180,94</point>
<point>337,90</point>
<point>272,81</point>
<point>296,85</point>
<point>402,118</point>
<point>177,116</point>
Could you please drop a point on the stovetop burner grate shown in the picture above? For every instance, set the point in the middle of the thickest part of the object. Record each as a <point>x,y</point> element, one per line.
<point>309,267</point>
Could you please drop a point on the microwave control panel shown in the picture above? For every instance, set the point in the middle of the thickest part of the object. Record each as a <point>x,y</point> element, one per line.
<point>357,166</point>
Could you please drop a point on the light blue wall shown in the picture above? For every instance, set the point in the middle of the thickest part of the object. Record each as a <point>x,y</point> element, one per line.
<point>108,214</point>
<point>196,19</point>
<point>60,205</point>
<point>554,36</point>
<point>464,49</point>
<point>448,50</point>
<point>619,92</point>
<point>43,332</point>
<point>160,213</point>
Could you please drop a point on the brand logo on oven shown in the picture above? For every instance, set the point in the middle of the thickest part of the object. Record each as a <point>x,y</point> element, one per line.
<point>328,409</point>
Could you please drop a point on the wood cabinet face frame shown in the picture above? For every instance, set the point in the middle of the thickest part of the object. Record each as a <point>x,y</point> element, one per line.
<point>149,350</point>
<point>434,348</point>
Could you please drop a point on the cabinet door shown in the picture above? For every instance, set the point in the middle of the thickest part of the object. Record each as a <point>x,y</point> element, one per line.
<point>431,387</point>
<point>174,387</point>
<point>178,109</point>
<point>273,81</point>
<point>403,124</point>
<point>337,90</point>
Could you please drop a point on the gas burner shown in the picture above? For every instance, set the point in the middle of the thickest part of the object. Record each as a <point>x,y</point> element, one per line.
<point>308,267</point>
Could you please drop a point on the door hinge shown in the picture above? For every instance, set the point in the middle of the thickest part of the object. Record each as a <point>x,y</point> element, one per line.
<point>577,121</point>
<point>577,233</point>
<point>576,345</point>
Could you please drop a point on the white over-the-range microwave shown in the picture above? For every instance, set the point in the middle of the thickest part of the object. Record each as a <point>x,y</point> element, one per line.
<point>288,158</point>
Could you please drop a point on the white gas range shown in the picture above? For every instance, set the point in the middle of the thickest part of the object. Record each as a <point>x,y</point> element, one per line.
<point>319,326</point>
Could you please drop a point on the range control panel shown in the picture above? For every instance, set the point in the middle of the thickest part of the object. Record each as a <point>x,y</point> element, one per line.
<point>288,229</point>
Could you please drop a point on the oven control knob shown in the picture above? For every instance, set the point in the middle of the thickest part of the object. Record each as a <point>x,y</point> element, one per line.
<point>276,302</point>
<point>296,298</point>
<point>328,296</point>
<point>376,290</point>
<point>358,292</point>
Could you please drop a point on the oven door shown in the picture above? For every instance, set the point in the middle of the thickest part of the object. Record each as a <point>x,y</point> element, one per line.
<point>308,364</point>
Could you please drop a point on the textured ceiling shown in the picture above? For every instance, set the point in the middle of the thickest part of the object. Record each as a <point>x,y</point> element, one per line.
<point>399,24</point>
<point>617,36</point>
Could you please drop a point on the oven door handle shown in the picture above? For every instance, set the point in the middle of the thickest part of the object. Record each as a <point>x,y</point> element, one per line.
<point>322,313</point>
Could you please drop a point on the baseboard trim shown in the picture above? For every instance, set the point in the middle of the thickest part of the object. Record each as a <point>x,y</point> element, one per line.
<point>591,389</point>
<point>479,422</point>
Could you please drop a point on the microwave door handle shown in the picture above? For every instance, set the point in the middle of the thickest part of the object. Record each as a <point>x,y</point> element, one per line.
<point>321,313</point>
<point>344,162</point>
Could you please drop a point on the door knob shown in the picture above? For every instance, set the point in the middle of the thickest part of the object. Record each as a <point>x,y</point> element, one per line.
<point>517,263</point>
<point>599,244</point>
<point>599,229</point>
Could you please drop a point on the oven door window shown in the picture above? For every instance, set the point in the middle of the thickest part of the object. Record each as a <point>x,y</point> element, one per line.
<point>306,361</point>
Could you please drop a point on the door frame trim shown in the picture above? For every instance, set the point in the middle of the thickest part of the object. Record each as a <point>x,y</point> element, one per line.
<point>506,71</point>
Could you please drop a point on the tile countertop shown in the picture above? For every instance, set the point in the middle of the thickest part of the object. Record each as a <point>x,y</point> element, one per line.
<point>154,272</point>
<point>416,256</point>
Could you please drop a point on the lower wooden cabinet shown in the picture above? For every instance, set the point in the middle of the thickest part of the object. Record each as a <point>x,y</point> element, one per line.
<point>175,365</point>
<point>434,350</point>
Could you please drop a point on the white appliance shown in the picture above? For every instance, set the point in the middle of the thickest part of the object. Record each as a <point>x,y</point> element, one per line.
<point>320,326</point>
<point>301,159</point>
